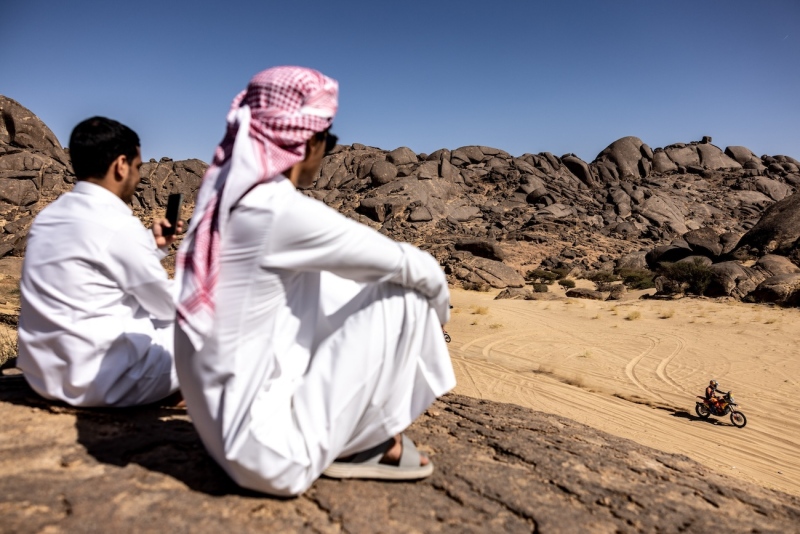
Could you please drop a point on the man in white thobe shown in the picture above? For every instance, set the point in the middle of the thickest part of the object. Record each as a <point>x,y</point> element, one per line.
<point>97,313</point>
<point>306,342</point>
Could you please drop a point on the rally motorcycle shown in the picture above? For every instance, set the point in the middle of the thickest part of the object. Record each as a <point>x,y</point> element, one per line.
<point>727,405</point>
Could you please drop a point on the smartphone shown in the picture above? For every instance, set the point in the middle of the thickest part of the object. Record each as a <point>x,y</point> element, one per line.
<point>174,203</point>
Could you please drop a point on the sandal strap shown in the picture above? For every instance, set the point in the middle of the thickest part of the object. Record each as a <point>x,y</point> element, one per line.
<point>410,456</point>
<point>373,455</point>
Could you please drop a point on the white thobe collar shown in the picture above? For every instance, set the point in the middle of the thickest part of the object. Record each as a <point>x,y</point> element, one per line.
<point>83,187</point>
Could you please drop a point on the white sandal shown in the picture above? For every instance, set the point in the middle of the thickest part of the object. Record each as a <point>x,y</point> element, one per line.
<point>367,464</point>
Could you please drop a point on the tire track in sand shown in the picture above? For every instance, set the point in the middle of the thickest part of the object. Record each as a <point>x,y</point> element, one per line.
<point>661,370</point>
<point>630,368</point>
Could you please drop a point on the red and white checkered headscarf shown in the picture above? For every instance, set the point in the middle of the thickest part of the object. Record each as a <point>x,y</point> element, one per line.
<point>268,126</point>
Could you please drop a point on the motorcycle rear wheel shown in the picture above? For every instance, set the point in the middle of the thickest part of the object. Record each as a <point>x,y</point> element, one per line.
<point>702,410</point>
<point>738,419</point>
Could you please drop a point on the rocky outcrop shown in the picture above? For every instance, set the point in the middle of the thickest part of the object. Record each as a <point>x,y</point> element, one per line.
<point>583,293</point>
<point>783,289</point>
<point>484,214</point>
<point>35,169</point>
<point>499,468</point>
<point>778,231</point>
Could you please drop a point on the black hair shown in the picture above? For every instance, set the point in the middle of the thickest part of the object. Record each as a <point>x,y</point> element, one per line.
<point>95,143</point>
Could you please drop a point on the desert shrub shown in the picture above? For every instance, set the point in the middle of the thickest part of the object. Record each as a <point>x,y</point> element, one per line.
<point>695,276</point>
<point>603,280</point>
<point>540,288</point>
<point>602,276</point>
<point>475,286</point>
<point>637,278</point>
<point>561,272</point>
<point>564,282</point>
<point>632,316</point>
<point>480,310</point>
<point>541,276</point>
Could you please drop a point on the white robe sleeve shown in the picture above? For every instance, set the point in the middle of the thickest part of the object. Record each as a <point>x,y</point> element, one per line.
<point>310,236</point>
<point>135,265</point>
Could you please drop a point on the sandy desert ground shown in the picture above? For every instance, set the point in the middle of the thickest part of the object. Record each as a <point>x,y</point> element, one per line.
<point>633,368</point>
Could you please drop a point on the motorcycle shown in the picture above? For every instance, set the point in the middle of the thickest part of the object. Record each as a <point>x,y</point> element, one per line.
<point>727,405</point>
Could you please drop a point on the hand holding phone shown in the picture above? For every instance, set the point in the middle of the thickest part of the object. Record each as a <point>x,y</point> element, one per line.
<point>174,204</point>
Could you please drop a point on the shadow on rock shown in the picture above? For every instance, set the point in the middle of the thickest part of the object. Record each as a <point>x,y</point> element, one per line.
<point>158,438</point>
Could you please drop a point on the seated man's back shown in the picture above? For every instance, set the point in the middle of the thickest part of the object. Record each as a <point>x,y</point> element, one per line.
<point>96,315</point>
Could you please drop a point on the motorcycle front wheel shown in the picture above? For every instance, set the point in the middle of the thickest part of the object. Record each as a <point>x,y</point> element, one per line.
<point>738,419</point>
<point>702,410</point>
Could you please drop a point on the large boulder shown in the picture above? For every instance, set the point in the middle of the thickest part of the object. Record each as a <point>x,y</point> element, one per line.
<point>783,289</point>
<point>664,212</point>
<point>402,156</point>
<point>667,254</point>
<point>483,248</point>
<point>733,279</point>
<point>383,172</point>
<point>625,158</point>
<point>579,168</point>
<point>515,293</point>
<point>774,265</point>
<point>584,293</point>
<point>34,170</point>
<point>777,231</point>
<point>704,241</point>
<point>21,129</point>
<point>633,261</point>
<point>683,155</point>
<point>744,156</point>
<point>162,178</point>
<point>494,273</point>
<point>712,157</point>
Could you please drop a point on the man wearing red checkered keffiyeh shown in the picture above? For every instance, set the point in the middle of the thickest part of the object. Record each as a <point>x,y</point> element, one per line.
<point>268,126</point>
<point>306,342</point>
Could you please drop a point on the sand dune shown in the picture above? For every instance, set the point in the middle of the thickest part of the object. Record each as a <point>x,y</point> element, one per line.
<point>633,368</point>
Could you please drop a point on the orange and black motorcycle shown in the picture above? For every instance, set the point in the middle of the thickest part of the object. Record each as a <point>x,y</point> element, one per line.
<point>727,405</point>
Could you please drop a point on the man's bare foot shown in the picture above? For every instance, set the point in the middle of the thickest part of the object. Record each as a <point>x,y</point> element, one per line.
<point>392,456</point>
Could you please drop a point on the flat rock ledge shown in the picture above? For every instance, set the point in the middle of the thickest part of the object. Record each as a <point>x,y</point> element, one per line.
<point>499,468</point>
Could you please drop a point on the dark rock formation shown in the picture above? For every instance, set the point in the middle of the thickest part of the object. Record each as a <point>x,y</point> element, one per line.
<point>35,169</point>
<point>515,293</point>
<point>484,214</point>
<point>778,231</point>
<point>583,293</point>
<point>781,289</point>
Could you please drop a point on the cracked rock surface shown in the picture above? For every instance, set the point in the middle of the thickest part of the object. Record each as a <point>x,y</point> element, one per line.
<point>499,468</point>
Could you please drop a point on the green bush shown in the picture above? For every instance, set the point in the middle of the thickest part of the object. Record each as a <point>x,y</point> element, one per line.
<point>476,286</point>
<point>541,276</point>
<point>637,278</point>
<point>564,282</point>
<point>694,276</point>
<point>540,288</point>
<point>603,280</point>
<point>603,277</point>
<point>561,272</point>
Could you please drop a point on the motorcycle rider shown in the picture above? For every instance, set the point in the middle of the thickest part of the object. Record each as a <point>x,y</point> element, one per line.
<point>711,396</point>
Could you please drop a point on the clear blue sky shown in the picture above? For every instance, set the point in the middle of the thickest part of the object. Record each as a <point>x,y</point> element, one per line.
<point>524,76</point>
